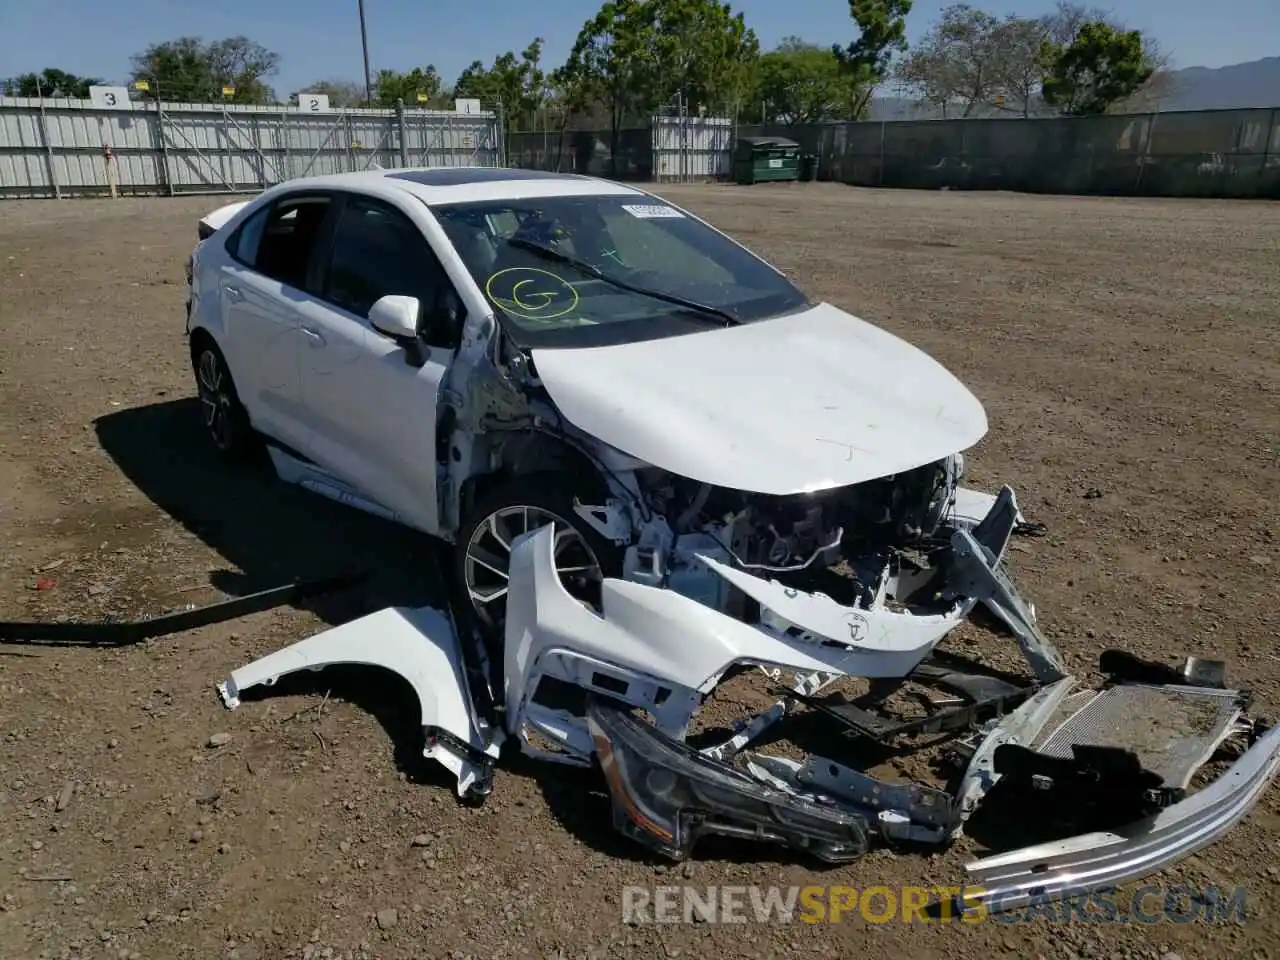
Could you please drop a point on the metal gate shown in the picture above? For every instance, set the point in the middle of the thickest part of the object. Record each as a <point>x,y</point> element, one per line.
<point>692,148</point>
<point>441,139</point>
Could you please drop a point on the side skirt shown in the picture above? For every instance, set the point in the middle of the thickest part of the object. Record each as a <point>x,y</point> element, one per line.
<point>310,476</point>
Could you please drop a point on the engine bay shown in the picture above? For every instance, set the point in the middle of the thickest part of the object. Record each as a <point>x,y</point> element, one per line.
<point>846,543</point>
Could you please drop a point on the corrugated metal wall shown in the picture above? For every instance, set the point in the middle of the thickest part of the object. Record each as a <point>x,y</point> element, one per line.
<point>58,147</point>
<point>692,148</point>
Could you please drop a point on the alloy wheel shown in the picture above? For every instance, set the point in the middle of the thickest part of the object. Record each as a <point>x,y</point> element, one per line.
<point>488,558</point>
<point>215,399</point>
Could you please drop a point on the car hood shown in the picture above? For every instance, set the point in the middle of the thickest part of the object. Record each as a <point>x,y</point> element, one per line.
<point>796,404</point>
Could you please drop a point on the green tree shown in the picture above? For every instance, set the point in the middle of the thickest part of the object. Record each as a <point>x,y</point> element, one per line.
<point>882,32</point>
<point>704,54</point>
<point>799,82</point>
<point>392,85</point>
<point>189,70</point>
<point>1063,25</point>
<point>634,56</point>
<point>611,64</point>
<point>49,82</point>
<point>517,83</point>
<point>1101,67</point>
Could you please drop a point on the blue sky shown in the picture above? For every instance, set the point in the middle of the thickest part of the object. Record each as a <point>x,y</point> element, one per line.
<point>320,38</point>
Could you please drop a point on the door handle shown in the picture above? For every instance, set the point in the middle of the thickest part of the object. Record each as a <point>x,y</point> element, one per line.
<point>313,334</point>
<point>233,293</point>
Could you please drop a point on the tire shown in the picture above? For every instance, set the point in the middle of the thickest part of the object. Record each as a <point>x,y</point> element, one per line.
<point>225,420</point>
<point>529,502</point>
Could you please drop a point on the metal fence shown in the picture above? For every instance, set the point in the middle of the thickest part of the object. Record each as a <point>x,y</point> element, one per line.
<point>691,148</point>
<point>57,148</point>
<point>68,147</point>
<point>677,149</point>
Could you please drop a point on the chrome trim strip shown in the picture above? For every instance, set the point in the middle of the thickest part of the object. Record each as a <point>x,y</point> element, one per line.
<point>1096,861</point>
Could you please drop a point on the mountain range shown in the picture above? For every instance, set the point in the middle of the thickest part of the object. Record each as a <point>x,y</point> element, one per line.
<point>1254,84</point>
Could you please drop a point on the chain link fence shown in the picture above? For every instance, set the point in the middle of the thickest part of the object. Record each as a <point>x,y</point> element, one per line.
<point>1219,153</point>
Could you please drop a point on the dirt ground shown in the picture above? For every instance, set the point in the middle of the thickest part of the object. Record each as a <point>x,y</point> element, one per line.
<point>1127,351</point>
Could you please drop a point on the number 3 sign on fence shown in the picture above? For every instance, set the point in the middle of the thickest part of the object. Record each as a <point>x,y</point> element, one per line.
<point>109,98</point>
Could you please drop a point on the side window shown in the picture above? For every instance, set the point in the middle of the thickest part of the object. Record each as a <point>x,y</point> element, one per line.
<point>278,241</point>
<point>243,244</point>
<point>378,251</point>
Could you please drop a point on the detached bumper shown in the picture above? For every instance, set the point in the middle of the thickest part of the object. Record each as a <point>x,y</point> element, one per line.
<point>1097,861</point>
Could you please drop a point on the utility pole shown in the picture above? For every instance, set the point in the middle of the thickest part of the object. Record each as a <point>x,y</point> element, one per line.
<point>364,43</point>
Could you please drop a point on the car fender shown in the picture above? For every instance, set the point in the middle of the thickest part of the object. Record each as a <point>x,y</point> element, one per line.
<point>416,643</point>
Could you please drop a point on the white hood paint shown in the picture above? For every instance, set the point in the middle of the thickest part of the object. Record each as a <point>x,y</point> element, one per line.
<point>801,403</point>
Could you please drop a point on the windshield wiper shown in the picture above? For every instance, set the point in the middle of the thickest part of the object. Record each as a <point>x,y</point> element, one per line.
<point>592,270</point>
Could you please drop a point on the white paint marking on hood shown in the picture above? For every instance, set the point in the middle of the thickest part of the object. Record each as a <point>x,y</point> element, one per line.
<point>796,404</point>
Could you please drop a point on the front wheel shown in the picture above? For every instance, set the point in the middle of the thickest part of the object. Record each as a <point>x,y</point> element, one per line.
<point>483,549</point>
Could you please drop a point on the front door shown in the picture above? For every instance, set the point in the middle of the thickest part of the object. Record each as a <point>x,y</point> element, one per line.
<point>371,414</point>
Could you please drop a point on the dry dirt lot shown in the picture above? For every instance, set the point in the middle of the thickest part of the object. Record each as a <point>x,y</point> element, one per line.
<point>1125,349</point>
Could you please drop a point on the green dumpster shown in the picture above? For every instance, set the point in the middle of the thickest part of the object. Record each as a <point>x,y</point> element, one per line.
<point>808,167</point>
<point>762,159</point>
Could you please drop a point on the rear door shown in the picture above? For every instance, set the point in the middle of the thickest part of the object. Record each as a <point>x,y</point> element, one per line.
<point>371,416</point>
<point>269,271</point>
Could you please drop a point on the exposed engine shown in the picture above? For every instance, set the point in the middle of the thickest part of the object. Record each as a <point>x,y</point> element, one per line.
<point>785,537</point>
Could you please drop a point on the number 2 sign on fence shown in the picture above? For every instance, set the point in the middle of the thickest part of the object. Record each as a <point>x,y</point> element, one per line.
<point>313,102</point>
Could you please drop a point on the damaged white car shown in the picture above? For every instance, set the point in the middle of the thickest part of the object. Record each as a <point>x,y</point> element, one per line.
<point>660,462</point>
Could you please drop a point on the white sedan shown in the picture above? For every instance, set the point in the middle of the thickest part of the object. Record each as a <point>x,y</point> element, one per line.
<point>475,352</point>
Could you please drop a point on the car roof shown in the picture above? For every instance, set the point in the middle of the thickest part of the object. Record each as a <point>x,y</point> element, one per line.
<point>439,185</point>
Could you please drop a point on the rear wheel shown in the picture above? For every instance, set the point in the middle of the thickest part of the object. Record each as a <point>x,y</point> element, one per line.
<point>483,548</point>
<point>225,420</point>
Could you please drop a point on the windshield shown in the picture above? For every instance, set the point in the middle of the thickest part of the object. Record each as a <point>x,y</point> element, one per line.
<point>575,271</point>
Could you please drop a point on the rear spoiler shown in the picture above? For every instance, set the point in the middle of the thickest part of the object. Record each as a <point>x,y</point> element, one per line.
<point>213,221</point>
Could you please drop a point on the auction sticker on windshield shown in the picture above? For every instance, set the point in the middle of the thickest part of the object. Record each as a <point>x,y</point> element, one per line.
<point>655,211</point>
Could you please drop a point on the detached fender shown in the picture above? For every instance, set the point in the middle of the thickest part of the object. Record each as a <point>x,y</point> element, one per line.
<point>416,643</point>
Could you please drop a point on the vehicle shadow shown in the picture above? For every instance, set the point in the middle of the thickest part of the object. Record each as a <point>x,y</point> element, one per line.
<point>272,532</point>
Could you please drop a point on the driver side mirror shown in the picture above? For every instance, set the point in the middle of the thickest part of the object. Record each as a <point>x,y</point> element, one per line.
<point>398,317</point>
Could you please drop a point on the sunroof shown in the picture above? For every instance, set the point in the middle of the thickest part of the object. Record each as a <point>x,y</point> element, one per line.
<point>457,176</point>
